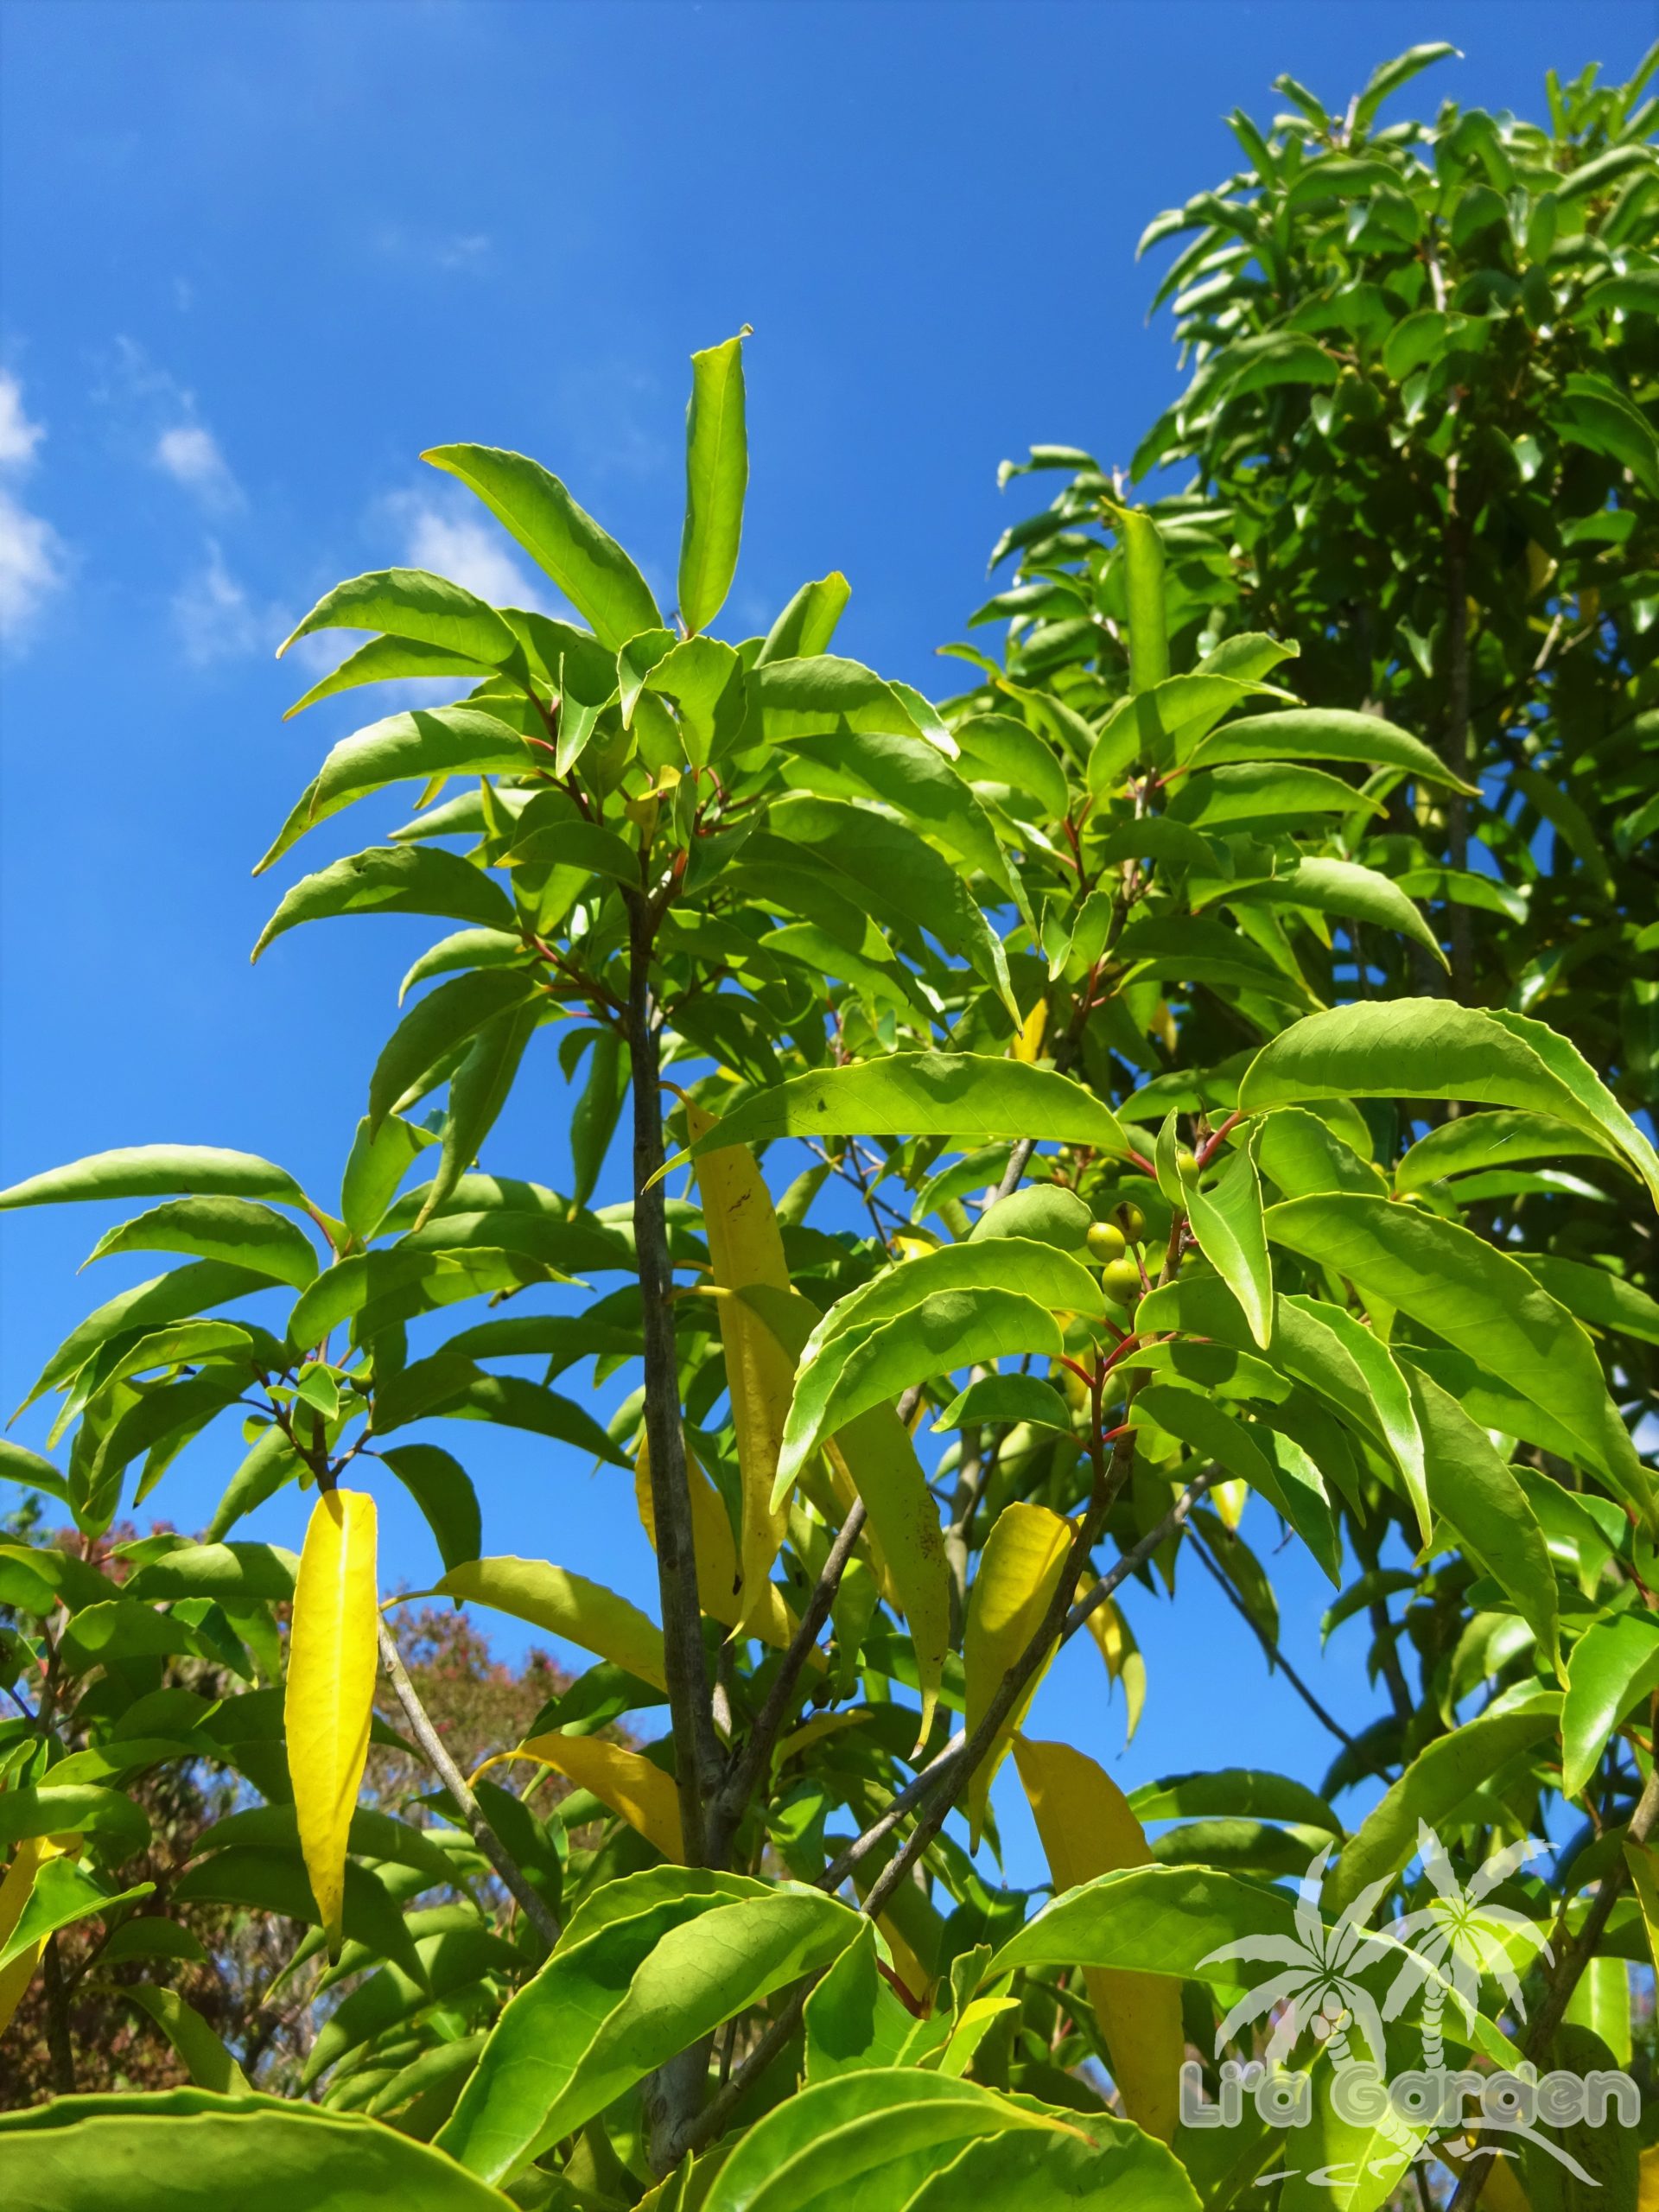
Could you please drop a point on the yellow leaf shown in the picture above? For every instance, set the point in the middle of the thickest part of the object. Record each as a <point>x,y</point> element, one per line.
<point>1122,1656</point>
<point>332,1649</point>
<point>640,1793</point>
<point>1087,1829</point>
<point>1028,1044</point>
<point>565,1604</point>
<point>716,1554</point>
<point>821,1725</point>
<point>1503,2192</point>
<point>747,1246</point>
<point>1019,1570</point>
<point>876,1454</point>
<point>916,1980</point>
<point>1643,1863</point>
<point>32,1854</point>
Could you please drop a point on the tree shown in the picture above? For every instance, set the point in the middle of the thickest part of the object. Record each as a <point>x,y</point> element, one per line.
<point>1061,984</point>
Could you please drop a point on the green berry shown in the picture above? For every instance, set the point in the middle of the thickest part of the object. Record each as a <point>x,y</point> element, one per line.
<point>1121,1280</point>
<point>1186,1160</point>
<point>1105,1241</point>
<point>1131,1221</point>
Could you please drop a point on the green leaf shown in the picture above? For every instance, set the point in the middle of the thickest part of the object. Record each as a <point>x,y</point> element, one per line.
<point>1108,2162</point>
<point>63,1892</point>
<point>448,1389</point>
<point>1143,563</point>
<point>716,478</point>
<point>1429,1048</point>
<point>447,1016</point>
<point>1053,1278</point>
<point>864,2140</point>
<point>916,781</point>
<point>1242,1792</point>
<point>237,1575</point>
<point>1479,1300</point>
<point>414,604</point>
<point>1166,722</point>
<point>613,2004</point>
<point>387,660</point>
<point>1495,1140</point>
<point>392,879</point>
<point>922,1094</point>
<point>1596,1296</point>
<point>852,2020</point>
<point>597,1112</point>
<point>272,1879</point>
<point>1323,734</point>
<point>996,745</point>
<point>586,564</point>
<point>19,1465</point>
<point>807,624</point>
<point>870,1361</point>
<point>163,1299</point>
<point>1044,1213</point>
<point>1302,1154</point>
<point>1292,1488</point>
<point>155,1170</point>
<point>424,743</point>
<point>1332,887</point>
<point>1437,1780</point>
<point>820,694</point>
<point>399,1284</point>
<point>62,1809</point>
<point>478,1091</point>
<point>1614,1664</point>
<point>260,2154</point>
<point>1390,75</point>
<point>1007,1397</point>
<point>443,1491</point>
<point>1230,1225</point>
<point>1477,1495</point>
<point>235,1231</point>
<point>378,1160</point>
<point>209,2064</point>
<point>576,844</point>
<point>565,1604</point>
<point>1266,792</point>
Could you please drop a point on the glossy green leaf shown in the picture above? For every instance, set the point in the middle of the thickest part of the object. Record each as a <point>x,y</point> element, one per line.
<point>272,1879</point>
<point>1605,1299</point>
<point>1323,734</point>
<point>1143,562</point>
<point>1242,1792</point>
<point>443,1491</point>
<point>611,2004</point>
<point>412,603</point>
<point>238,1231</point>
<point>1292,1486</point>
<point>1479,1300</point>
<point>424,743</point>
<point>1615,1664</point>
<point>448,1389</point>
<point>1430,1048</point>
<point>207,2062</point>
<point>237,1575</point>
<point>398,1284</point>
<point>447,1017</point>
<point>63,1892</point>
<point>997,747</point>
<point>716,478</point>
<point>1108,2161</point>
<point>62,1809</point>
<point>156,1171</point>
<point>1228,1222</point>
<point>1006,1398</point>
<point>1436,1782</point>
<point>1044,1213</point>
<point>378,1160</point>
<point>385,660</point>
<point>1333,887</point>
<point>852,2020</point>
<point>478,1091</point>
<point>191,2150</point>
<point>808,622</point>
<point>392,879</point>
<point>1263,792</point>
<point>923,1094</point>
<point>916,781</point>
<point>565,541</point>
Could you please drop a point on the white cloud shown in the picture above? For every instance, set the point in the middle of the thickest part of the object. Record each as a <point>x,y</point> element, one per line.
<point>33,563</point>
<point>466,551</point>
<point>189,452</point>
<point>216,620</point>
<point>18,436</point>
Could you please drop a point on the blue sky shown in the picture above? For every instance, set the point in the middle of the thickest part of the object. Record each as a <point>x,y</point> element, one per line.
<point>256,258</point>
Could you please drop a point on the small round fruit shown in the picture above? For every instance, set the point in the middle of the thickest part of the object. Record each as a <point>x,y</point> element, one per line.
<point>1105,1241</point>
<point>1121,1280</point>
<point>1186,1160</point>
<point>1131,1221</point>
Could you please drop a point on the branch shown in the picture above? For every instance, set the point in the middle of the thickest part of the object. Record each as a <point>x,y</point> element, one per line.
<point>697,1761</point>
<point>1275,1656</point>
<point>534,1905</point>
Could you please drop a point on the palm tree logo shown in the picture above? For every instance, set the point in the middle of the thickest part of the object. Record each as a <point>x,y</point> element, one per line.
<point>1459,1938</point>
<point>1319,1987</point>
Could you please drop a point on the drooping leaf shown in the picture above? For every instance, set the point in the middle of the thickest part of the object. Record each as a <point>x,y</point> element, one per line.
<point>563,1603</point>
<point>445,1018</point>
<point>1499,1139</point>
<point>414,604</point>
<point>424,743</point>
<point>1087,1829</point>
<point>209,2064</point>
<point>332,1661</point>
<point>639,1793</point>
<point>157,1171</point>
<point>1019,1570</point>
<point>478,1091</point>
<point>392,879</point>
<point>443,1491</point>
<point>1614,1664</point>
<point>1228,1222</point>
<point>238,1231</point>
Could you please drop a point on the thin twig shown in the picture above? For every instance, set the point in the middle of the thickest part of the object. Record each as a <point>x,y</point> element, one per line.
<point>534,1905</point>
<point>1274,1655</point>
